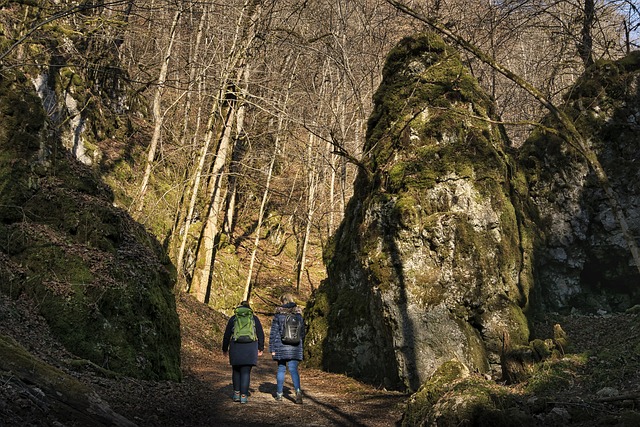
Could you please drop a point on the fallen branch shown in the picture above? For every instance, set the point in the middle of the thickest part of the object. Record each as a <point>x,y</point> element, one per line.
<point>628,396</point>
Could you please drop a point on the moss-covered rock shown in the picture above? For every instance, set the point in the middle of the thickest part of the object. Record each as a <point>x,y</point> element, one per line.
<point>427,263</point>
<point>582,260</point>
<point>101,280</point>
<point>452,397</point>
<point>421,402</point>
<point>58,396</point>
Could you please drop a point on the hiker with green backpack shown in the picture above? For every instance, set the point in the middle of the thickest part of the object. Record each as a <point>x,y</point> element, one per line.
<point>244,341</point>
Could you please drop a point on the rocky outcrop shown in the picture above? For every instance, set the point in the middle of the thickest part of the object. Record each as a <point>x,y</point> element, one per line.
<point>427,265</point>
<point>451,240</point>
<point>582,261</point>
<point>100,279</point>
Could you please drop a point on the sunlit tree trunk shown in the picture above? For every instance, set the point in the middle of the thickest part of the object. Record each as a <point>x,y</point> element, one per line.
<point>312,184</point>
<point>188,138</point>
<point>258,230</point>
<point>204,254</point>
<point>197,177</point>
<point>206,249</point>
<point>201,285</point>
<point>158,117</point>
<point>267,186</point>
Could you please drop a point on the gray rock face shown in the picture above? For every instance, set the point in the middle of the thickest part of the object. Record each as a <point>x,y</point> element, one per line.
<point>449,240</point>
<point>426,266</point>
<point>583,261</point>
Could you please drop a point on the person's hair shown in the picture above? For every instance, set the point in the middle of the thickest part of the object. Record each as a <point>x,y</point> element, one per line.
<point>245,304</point>
<point>286,298</point>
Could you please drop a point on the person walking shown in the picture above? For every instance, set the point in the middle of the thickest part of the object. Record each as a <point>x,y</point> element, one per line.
<point>243,340</point>
<point>288,355</point>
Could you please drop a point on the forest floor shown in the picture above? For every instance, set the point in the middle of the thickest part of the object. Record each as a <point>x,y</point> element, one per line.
<point>203,397</point>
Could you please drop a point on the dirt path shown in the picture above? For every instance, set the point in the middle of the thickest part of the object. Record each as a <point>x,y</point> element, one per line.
<point>203,398</point>
<point>329,400</point>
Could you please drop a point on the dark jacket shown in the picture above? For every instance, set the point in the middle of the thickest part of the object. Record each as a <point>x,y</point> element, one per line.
<point>243,353</point>
<point>284,351</point>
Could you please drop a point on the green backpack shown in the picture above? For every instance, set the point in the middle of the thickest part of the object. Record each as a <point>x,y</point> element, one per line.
<point>244,327</point>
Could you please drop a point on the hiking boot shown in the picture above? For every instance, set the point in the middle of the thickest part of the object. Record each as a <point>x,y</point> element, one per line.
<point>236,396</point>
<point>278,397</point>
<point>243,398</point>
<point>299,397</point>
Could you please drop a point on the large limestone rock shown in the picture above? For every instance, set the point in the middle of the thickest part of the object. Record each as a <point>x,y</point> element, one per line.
<point>582,260</point>
<point>427,265</point>
<point>100,279</point>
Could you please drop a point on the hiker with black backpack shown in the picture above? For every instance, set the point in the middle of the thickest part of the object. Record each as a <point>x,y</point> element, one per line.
<point>244,341</point>
<point>286,343</point>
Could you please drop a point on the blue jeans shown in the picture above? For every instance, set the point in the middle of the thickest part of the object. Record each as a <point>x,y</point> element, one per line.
<point>293,371</point>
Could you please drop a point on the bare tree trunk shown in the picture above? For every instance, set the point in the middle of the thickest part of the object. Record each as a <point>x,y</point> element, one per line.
<point>263,204</point>
<point>585,48</point>
<point>238,51</point>
<point>231,199</point>
<point>202,157</point>
<point>232,187</point>
<point>187,139</point>
<point>312,184</point>
<point>157,113</point>
<point>267,187</point>
<point>201,285</point>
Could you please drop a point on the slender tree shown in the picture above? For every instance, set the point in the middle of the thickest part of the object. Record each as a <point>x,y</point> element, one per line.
<point>158,116</point>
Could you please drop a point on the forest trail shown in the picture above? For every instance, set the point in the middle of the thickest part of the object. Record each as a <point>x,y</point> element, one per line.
<point>329,400</point>
<point>203,398</point>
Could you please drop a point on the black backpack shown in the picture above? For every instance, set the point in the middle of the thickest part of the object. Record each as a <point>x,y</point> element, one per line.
<point>292,329</point>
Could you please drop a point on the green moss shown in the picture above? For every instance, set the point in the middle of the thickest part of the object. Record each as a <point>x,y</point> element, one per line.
<point>119,314</point>
<point>478,402</point>
<point>428,291</point>
<point>21,115</point>
<point>16,359</point>
<point>455,399</point>
<point>381,270</point>
<point>420,71</point>
<point>475,349</point>
<point>421,402</point>
<point>229,280</point>
<point>554,375</point>
<point>631,62</point>
<point>317,313</point>
<point>70,79</point>
<point>541,349</point>
<point>102,323</point>
<point>519,324</point>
